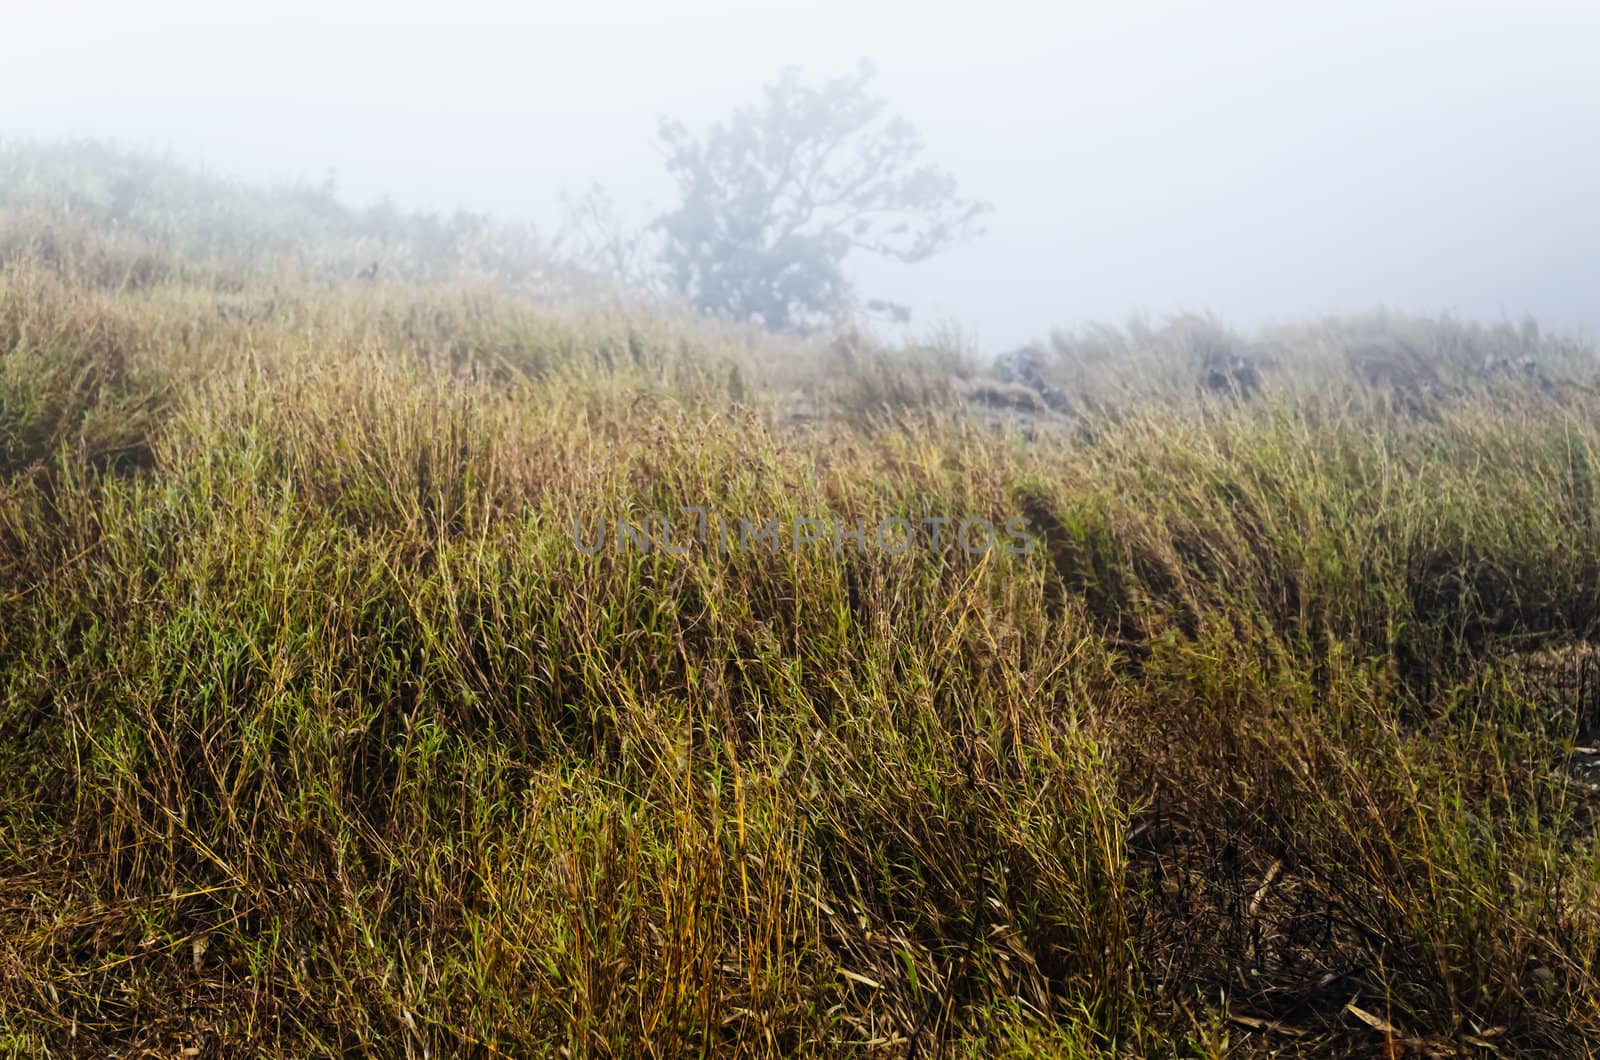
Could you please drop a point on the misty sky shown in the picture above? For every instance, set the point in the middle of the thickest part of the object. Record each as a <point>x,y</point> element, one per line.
<point>1259,160</point>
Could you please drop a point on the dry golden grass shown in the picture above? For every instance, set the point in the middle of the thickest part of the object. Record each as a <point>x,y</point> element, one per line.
<point>319,735</point>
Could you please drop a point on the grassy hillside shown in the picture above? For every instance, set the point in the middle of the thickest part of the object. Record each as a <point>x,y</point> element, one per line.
<point>322,733</point>
<point>123,219</point>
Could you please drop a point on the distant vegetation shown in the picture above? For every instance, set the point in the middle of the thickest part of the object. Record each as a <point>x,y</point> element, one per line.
<point>773,206</point>
<point>773,202</point>
<point>319,736</point>
<point>118,213</point>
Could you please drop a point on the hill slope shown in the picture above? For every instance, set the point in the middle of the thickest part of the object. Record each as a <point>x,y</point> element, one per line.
<point>329,725</point>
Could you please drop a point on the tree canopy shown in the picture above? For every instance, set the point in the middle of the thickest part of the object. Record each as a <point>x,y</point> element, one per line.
<point>775,199</point>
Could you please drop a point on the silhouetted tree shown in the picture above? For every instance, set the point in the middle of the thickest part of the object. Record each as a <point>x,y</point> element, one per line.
<point>775,199</point>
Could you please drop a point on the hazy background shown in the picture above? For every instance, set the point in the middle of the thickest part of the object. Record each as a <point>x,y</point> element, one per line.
<point>1254,159</point>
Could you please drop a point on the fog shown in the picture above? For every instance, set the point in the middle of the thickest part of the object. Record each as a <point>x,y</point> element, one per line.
<point>1257,160</point>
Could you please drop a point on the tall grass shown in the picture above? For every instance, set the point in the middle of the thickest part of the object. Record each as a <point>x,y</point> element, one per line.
<point>320,735</point>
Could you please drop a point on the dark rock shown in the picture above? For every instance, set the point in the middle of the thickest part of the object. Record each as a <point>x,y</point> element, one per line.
<point>1232,374</point>
<point>1026,366</point>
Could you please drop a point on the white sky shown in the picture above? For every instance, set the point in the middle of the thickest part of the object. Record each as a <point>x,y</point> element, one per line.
<point>1260,160</point>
